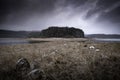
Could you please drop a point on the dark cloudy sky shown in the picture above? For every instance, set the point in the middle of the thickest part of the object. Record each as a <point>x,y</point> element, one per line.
<point>93,16</point>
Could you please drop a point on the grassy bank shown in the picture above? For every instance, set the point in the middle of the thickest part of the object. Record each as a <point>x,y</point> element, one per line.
<point>64,59</point>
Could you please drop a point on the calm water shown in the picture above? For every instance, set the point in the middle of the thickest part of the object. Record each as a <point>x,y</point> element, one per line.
<point>9,41</point>
<point>107,40</point>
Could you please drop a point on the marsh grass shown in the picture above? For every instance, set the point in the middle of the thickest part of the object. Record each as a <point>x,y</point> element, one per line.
<point>64,60</point>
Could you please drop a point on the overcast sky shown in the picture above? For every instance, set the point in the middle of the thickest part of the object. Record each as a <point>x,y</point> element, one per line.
<point>92,16</point>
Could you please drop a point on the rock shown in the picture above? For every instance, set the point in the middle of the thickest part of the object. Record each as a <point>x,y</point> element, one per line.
<point>92,47</point>
<point>26,72</point>
<point>36,74</point>
<point>97,50</point>
<point>22,67</point>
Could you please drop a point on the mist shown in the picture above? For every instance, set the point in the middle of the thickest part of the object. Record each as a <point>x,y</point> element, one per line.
<point>92,16</point>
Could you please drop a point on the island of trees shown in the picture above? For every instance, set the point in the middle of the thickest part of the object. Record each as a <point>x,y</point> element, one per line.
<point>58,32</point>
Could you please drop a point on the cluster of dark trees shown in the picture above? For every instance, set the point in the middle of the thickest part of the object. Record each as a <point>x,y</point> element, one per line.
<point>64,32</point>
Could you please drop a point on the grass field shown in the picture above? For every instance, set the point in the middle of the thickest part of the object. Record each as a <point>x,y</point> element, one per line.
<point>64,59</point>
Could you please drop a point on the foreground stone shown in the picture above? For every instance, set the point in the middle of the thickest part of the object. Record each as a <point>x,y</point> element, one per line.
<point>25,72</point>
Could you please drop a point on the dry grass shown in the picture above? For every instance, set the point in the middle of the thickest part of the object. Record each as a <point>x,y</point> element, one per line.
<point>64,59</point>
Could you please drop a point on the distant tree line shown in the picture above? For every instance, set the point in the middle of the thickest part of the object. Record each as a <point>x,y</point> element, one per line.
<point>58,32</point>
<point>13,34</point>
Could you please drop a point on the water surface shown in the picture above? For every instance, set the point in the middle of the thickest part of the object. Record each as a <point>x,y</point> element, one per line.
<point>107,39</point>
<point>11,41</point>
<point>8,41</point>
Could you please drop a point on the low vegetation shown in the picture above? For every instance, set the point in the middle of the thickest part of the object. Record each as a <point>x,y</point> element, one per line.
<point>64,59</point>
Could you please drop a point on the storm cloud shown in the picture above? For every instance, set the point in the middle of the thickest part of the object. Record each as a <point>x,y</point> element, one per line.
<point>93,16</point>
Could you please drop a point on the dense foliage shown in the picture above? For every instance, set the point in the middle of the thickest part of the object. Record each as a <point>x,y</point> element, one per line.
<point>64,32</point>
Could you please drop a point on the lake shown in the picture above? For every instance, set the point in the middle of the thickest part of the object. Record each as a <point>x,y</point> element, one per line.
<point>107,40</point>
<point>10,41</point>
